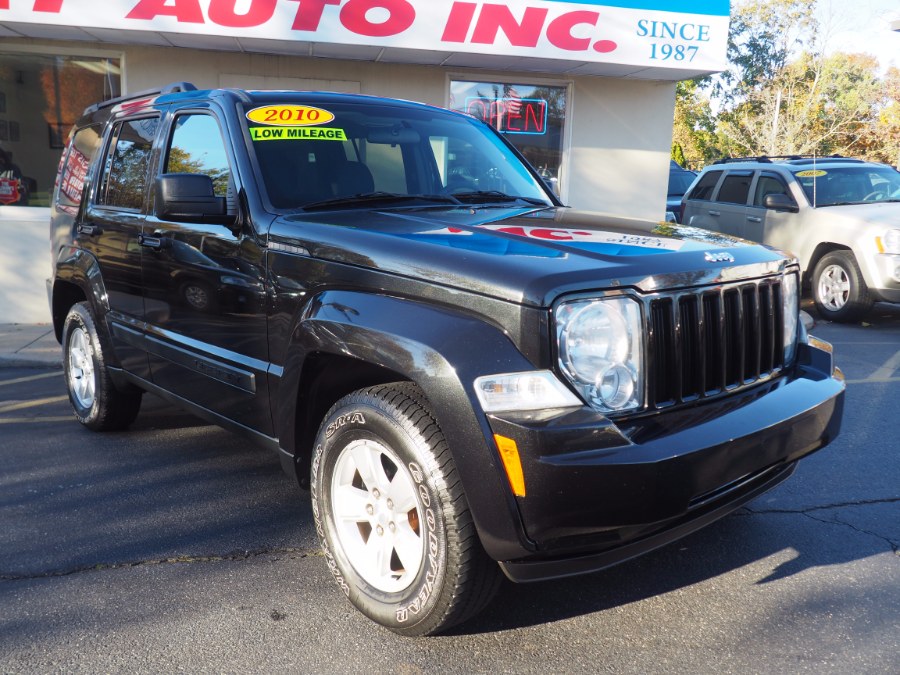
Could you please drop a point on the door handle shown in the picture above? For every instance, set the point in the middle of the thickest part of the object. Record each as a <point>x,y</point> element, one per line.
<point>154,243</point>
<point>88,230</point>
<point>754,219</point>
<point>715,213</point>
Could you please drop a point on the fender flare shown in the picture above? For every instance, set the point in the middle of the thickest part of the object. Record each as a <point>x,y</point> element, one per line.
<point>442,350</point>
<point>77,267</point>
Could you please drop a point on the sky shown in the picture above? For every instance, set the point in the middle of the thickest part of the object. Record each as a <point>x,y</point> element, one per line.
<point>862,26</point>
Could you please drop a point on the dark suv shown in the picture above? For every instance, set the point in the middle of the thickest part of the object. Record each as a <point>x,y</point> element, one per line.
<point>462,371</point>
<point>679,182</point>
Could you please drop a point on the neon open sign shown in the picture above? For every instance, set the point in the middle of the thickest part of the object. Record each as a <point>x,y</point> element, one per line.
<point>510,115</point>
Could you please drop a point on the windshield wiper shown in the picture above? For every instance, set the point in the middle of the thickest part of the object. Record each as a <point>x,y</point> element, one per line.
<point>369,197</point>
<point>497,196</point>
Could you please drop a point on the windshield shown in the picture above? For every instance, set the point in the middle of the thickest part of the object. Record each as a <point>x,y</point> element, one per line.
<point>318,155</point>
<point>850,184</point>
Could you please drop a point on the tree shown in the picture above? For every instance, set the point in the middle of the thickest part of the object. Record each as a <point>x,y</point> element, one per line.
<point>762,36</point>
<point>882,142</point>
<point>814,105</point>
<point>781,94</point>
<point>694,129</point>
<point>181,161</point>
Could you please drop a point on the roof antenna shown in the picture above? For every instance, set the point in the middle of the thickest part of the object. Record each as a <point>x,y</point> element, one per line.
<point>815,180</point>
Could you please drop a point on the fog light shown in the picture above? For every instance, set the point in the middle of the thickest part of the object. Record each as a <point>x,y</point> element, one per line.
<point>890,243</point>
<point>616,387</point>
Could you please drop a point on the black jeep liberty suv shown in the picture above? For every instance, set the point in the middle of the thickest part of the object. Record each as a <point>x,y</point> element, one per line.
<point>468,377</point>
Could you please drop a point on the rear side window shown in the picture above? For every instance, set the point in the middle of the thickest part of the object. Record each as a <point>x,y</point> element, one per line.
<point>735,188</point>
<point>703,190</point>
<point>127,163</point>
<point>73,168</point>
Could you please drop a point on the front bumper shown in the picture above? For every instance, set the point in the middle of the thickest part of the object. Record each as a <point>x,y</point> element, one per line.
<point>887,284</point>
<point>599,493</point>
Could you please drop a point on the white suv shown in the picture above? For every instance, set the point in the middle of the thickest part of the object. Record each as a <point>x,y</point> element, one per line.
<point>839,216</point>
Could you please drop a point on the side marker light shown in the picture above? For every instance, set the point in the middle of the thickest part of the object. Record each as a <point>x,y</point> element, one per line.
<point>509,453</point>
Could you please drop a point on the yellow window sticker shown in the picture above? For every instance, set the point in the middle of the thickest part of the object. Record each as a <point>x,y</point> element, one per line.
<point>290,115</point>
<point>297,134</point>
<point>811,173</point>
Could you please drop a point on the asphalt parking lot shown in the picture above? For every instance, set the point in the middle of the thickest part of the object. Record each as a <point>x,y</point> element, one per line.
<point>179,547</point>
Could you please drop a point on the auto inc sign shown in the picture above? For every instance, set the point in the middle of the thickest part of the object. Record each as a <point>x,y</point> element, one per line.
<point>681,35</point>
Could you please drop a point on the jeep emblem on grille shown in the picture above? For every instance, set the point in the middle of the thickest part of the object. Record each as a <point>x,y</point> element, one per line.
<point>718,257</point>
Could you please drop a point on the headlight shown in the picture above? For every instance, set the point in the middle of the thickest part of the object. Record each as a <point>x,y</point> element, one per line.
<point>600,351</point>
<point>890,242</point>
<point>791,312</point>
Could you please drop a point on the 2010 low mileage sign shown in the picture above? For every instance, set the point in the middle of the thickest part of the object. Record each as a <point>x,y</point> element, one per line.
<point>289,115</point>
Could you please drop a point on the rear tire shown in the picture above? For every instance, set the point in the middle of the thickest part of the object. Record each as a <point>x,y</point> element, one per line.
<point>392,517</point>
<point>96,402</point>
<point>839,290</point>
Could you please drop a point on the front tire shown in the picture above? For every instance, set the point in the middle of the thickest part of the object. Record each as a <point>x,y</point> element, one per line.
<point>392,517</point>
<point>839,290</point>
<point>96,402</point>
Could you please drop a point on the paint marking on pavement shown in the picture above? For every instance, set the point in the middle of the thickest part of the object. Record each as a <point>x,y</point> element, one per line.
<point>30,378</point>
<point>22,405</point>
<point>888,369</point>
<point>34,420</point>
<point>872,380</point>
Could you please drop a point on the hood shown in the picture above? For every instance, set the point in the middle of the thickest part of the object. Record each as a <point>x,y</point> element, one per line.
<point>874,213</point>
<point>526,255</point>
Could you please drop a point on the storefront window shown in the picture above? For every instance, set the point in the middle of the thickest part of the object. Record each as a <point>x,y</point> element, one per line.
<point>40,99</point>
<point>532,117</point>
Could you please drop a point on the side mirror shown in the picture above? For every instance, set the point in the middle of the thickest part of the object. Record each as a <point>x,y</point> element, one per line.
<point>189,197</point>
<point>780,202</point>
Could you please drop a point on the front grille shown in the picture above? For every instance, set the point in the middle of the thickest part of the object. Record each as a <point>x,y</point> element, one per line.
<point>705,342</point>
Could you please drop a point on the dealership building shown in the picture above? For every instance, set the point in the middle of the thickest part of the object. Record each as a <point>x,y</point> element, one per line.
<point>585,89</point>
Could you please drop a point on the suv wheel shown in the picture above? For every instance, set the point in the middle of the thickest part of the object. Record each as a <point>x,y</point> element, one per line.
<point>839,290</point>
<point>95,400</point>
<point>391,514</point>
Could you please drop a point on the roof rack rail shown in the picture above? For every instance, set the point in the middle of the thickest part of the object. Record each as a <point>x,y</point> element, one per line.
<point>240,93</point>
<point>826,158</point>
<point>171,88</point>
<point>790,158</point>
<point>729,160</point>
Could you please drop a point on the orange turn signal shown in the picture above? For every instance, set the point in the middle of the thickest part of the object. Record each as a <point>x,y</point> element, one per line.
<point>509,453</point>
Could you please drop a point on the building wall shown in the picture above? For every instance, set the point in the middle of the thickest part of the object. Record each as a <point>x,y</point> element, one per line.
<point>621,138</point>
